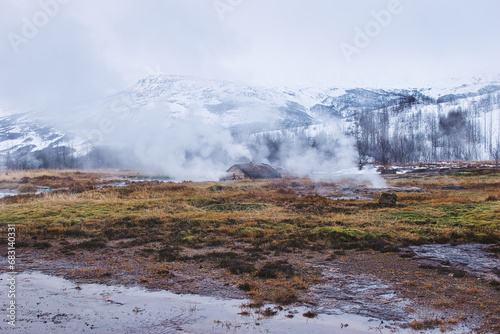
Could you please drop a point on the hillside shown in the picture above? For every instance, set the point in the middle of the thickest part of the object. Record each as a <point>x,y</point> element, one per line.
<point>178,123</point>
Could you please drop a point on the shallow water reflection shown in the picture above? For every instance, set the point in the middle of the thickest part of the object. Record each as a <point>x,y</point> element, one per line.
<point>473,258</point>
<point>49,304</point>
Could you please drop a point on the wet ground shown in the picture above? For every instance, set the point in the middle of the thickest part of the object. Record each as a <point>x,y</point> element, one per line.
<point>49,304</point>
<point>477,260</point>
<point>40,190</point>
<point>356,292</point>
<point>367,193</point>
<point>105,182</point>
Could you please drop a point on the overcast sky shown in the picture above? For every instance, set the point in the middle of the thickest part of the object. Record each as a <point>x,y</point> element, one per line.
<point>84,49</point>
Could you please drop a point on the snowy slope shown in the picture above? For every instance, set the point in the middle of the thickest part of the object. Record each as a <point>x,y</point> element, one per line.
<point>228,103</point>
<point>476,125</point>
<point>26,131</point>
<point>173,116</point>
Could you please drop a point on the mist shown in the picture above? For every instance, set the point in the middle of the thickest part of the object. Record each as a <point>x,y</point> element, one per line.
<point>322,152</point>
<point>182,144</point>
<point>190,143</point>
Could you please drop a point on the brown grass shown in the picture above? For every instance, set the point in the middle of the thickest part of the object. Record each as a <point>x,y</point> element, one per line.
<point>259,212</point>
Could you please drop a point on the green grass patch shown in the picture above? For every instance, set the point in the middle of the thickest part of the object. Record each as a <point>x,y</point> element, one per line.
<point>228,207</point>
<point>336,233</point>
<point>466,215</point>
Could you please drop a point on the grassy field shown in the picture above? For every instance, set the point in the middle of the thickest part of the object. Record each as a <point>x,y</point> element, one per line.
<point>268,214</point>
<point>263,237</point>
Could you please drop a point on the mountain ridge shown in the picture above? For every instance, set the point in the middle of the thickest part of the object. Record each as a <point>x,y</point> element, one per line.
<point>158,104</point>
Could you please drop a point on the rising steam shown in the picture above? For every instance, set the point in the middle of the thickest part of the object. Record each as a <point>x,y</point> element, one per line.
<point>190,143</point>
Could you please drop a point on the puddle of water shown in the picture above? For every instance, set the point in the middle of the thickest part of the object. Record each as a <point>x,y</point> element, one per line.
<point>113,184</point>
<point>150,178</point>
<point>125,181</point>
<point>39,190</point>
<point>363,198</point>
<point>48,304</point>
<point>367,296</point>
<point>5,194</point>
<point>361,294</point>
<point>472,258</point>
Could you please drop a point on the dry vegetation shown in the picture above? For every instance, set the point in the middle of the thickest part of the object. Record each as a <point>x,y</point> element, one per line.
<point>267,214</point>
<point>244,232</point>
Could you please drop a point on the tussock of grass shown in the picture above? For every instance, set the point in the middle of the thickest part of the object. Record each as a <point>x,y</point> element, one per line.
<point>237,266</point>
<point>26,188</point>
<point>310,314</point>
<point>88,245</point>
<point>276,269</point>
<point>41,245</point>
<point>337,233</point>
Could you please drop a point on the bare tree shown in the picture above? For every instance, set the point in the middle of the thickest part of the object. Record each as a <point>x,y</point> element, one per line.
<point>495,153</point>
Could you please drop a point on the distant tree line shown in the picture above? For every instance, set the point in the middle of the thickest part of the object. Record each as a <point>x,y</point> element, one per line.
<point>64,157</point>
<point>424,132</point>
<point>414,129</point>
<point>282,146</point>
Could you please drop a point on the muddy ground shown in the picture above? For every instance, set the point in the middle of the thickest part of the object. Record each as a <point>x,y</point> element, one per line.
<point>403,289</point>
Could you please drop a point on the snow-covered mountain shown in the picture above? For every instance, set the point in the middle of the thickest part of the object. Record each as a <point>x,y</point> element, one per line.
<point>27,132</point>
<point>183,118</point>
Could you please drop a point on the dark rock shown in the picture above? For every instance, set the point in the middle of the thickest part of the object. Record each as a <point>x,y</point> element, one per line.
<point>453,187</point>
<point>387,171</point>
